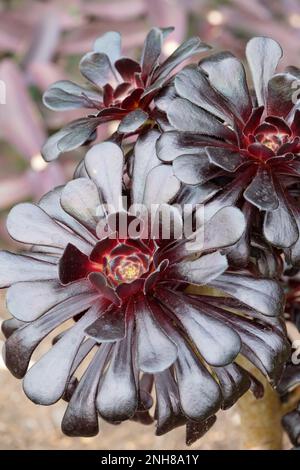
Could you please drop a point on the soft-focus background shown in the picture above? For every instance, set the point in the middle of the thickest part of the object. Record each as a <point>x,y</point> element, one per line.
<point>41,42</point>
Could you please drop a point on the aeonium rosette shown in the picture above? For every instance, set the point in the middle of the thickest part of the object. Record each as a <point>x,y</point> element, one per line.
<point>136,306</point>
<point>290,380</point>
<point>247,142</point>
<point>120,88</point>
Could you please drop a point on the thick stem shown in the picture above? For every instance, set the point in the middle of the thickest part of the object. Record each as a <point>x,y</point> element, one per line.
<point>260,419</point>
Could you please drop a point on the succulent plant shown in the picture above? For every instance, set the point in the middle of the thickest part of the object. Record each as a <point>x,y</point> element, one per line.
<point>121,88</point>
<point>138,307</point>
<point>126,299</point>
<point>246,141</point>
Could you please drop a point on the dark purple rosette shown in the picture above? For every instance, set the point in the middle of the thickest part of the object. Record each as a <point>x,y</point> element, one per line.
<point>138,311</point>
<point>246,141</point>
<point>120,89</point>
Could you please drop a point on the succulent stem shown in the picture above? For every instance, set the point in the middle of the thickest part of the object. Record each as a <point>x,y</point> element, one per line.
<point>260,419</point>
